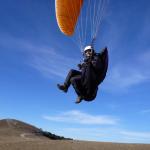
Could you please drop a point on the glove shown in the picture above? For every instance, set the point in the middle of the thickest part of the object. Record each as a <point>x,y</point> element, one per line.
<point>79,66</point>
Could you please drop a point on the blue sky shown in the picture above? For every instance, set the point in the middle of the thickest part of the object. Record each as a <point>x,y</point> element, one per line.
<point>35,56</point>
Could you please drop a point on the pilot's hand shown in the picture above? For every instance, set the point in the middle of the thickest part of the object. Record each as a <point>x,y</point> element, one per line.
<point>79,66</point>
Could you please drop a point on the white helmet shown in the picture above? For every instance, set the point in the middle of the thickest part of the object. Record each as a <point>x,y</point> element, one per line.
<point>88,48</point>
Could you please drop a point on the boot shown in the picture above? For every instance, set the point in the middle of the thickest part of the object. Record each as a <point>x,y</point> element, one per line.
<point>62,87</point>
<point>78,100</point>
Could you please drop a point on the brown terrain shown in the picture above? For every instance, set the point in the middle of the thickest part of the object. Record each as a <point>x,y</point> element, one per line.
<point>17,135</point>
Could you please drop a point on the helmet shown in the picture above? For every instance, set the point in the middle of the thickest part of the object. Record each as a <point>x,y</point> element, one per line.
<point>88,48</point>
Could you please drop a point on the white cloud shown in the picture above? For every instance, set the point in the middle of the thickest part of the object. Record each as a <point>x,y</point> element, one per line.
<point>146,111</point>
<point>125,75</point>
<point>8,42</point>
<point>144,58</point>
<point>136,135</point>
<point>51,63</point>
<point>92,134</point>
<point>47,60</point>
<point>106,134</point>
<point>129,59</point>
<point>79,117</point>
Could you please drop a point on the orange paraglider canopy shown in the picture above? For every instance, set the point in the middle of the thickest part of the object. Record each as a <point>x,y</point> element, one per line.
<point>67,13</point>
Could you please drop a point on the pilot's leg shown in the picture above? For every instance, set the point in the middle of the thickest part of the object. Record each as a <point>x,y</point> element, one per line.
<point>72,73</point>
<point>76,83</point>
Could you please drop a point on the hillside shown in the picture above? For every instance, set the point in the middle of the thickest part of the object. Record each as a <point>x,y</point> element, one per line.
<point>13,128</point>
<point>17,135</point>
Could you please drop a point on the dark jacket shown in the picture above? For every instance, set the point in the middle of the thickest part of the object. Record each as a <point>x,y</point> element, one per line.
<point>93,73</point>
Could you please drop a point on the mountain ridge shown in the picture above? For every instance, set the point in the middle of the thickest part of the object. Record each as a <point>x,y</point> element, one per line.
<point>13,127</point>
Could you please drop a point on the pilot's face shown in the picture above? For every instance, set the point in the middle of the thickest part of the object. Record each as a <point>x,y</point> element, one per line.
<point>88,53</point>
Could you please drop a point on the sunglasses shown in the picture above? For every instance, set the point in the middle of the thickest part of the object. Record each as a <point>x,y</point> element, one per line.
<point>88,51</point>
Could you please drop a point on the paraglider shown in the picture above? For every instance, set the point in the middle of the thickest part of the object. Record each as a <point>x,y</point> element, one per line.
<point>92,70</point>
<point>92,73</point>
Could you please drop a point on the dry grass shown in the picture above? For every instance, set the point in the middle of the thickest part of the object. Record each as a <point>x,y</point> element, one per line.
<point>16,135</point>
<point>32,144</point>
